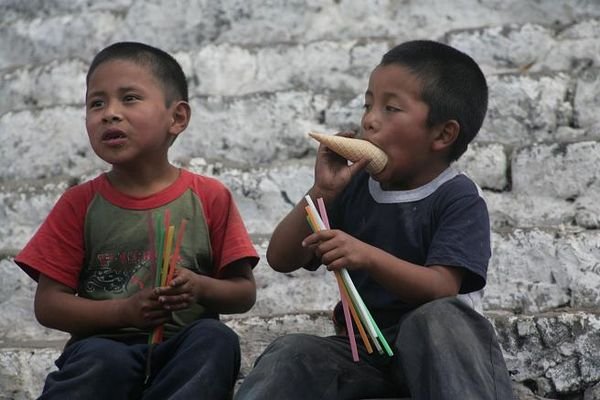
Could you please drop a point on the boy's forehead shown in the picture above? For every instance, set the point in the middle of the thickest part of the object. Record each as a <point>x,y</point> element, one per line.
<point>115,65</point>
<point>394,77</point>
<point>128,70</point>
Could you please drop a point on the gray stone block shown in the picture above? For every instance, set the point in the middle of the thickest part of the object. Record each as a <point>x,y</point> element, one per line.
<point>563,171</point>
<point>525,109</point>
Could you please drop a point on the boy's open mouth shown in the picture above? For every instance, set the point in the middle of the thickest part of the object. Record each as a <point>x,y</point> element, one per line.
<point>114,137</point>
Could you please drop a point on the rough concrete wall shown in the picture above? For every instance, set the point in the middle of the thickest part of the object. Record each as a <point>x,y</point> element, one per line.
<point>264,73</point>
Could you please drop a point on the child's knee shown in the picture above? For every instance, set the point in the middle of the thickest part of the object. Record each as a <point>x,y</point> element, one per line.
<point>100,356</point>
<point>94,347</point>
<point>445,320</point>
<point>216,327</point>
<point>214,331</point>
<point>296,343</point>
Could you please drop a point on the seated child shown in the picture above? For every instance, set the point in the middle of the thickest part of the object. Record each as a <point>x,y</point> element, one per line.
<point>96,256</point>
<point>412,236</point>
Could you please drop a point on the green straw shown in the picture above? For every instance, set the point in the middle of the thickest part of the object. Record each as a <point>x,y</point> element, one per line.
<point>362,306</point>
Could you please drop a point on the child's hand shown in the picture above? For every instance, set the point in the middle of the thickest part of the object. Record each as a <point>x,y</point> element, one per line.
<point>332,172</point>
<point>339,250</point>
<point>143,310</point>
<point>181,293</point>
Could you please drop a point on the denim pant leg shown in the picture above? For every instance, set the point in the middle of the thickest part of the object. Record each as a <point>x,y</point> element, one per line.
<point>446,350</point>
<point>200,362</point>
<point>97,368</point>
<point>301,367</point>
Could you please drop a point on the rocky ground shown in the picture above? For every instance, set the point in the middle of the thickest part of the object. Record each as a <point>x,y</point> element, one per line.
<point>264,73</point>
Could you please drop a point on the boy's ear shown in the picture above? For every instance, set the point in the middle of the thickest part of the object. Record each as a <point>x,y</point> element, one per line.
<point>446,136</point>
<point>180,117</point>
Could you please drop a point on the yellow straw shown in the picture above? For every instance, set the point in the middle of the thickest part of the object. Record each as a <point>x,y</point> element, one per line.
<point>167,255</point>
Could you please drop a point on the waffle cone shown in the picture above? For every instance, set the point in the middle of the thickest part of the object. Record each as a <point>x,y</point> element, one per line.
<point>354,149</point>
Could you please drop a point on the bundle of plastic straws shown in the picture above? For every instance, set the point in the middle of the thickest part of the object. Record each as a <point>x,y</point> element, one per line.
<point>164,259</point>
<point>352,303</point>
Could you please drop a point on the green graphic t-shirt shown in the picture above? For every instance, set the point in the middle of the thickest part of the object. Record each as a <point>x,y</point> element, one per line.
<point>101,243</point>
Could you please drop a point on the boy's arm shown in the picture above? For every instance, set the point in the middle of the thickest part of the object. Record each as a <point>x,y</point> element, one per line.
<point>332,173</point>
<point>233,292</point>
<point>285,252</point>
<point>411,282</point>
<point>57,306</point>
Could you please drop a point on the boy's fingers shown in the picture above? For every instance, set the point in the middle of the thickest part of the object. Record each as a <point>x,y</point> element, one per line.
<point>358,166</point>
<point>174,299</point>
<point>330,255</point>
<point>162,291</point>
<point>311,239</point>
<point>177,306</point>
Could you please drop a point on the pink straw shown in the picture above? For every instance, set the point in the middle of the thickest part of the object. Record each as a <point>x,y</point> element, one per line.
<point>347,317</point>
<point>323,212</point>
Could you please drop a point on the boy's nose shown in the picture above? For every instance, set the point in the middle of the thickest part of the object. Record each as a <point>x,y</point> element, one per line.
<point>370,123</point>
<point>111,118</point>
<point>111,114</point>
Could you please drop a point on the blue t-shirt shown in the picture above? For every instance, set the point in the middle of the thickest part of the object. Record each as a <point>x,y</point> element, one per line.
<point>444,222</point>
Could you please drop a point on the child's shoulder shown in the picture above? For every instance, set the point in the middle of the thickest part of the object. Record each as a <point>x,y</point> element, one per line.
<point>209,189</point>
<point>85,190</point>
<point>462,184</point>
<point>202,182</point>
<point>459,190</point>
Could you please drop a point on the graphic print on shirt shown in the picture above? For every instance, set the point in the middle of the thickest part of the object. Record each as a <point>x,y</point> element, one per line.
<point>117,272</point>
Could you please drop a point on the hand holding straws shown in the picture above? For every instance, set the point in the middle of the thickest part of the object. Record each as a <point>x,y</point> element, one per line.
<point>164,264</point>
<point>352,303</point>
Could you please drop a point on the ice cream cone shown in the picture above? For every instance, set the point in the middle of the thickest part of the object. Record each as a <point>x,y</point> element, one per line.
<point>354,149</point>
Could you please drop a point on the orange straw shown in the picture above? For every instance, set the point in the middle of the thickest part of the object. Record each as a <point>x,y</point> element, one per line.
<point>359,325</point>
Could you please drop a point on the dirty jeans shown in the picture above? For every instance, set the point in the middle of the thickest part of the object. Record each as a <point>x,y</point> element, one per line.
<point>442,350</point>
<point>200,362</point>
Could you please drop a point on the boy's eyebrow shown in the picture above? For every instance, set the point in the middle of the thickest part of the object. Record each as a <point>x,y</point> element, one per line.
<point>95,93</point>
<point>386,94</point>
<point>128,88</point>
<point>123,89</point>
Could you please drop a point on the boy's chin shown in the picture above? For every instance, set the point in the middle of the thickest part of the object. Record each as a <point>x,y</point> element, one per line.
<point>388,185</point>
<point>378,177</point>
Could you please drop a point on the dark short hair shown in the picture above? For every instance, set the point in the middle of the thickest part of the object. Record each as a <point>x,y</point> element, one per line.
<point>162,65</point>
<point>453,86</point>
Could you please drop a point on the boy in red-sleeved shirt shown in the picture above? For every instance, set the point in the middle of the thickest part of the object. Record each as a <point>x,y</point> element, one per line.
<point>93,256</point>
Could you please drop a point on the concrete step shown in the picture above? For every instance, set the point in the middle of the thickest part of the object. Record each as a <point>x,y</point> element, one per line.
<point>554,353</point>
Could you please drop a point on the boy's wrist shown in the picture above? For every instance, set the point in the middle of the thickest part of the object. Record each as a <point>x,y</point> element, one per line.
<point>199,288</point>
<point>316,192</point>
<point>121,312</point>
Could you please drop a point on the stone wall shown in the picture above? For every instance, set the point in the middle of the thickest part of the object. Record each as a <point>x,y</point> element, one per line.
<point>264,73</point>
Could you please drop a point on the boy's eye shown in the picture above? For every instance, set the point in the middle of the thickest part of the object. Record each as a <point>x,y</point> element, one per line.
<point>95,103</point>
<point>392,108</point>
<point>367,106</point>
<point>129,98</point>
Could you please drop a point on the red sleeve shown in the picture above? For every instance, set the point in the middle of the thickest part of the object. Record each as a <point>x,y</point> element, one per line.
<point>57,248</point>
<point>229,238</point>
